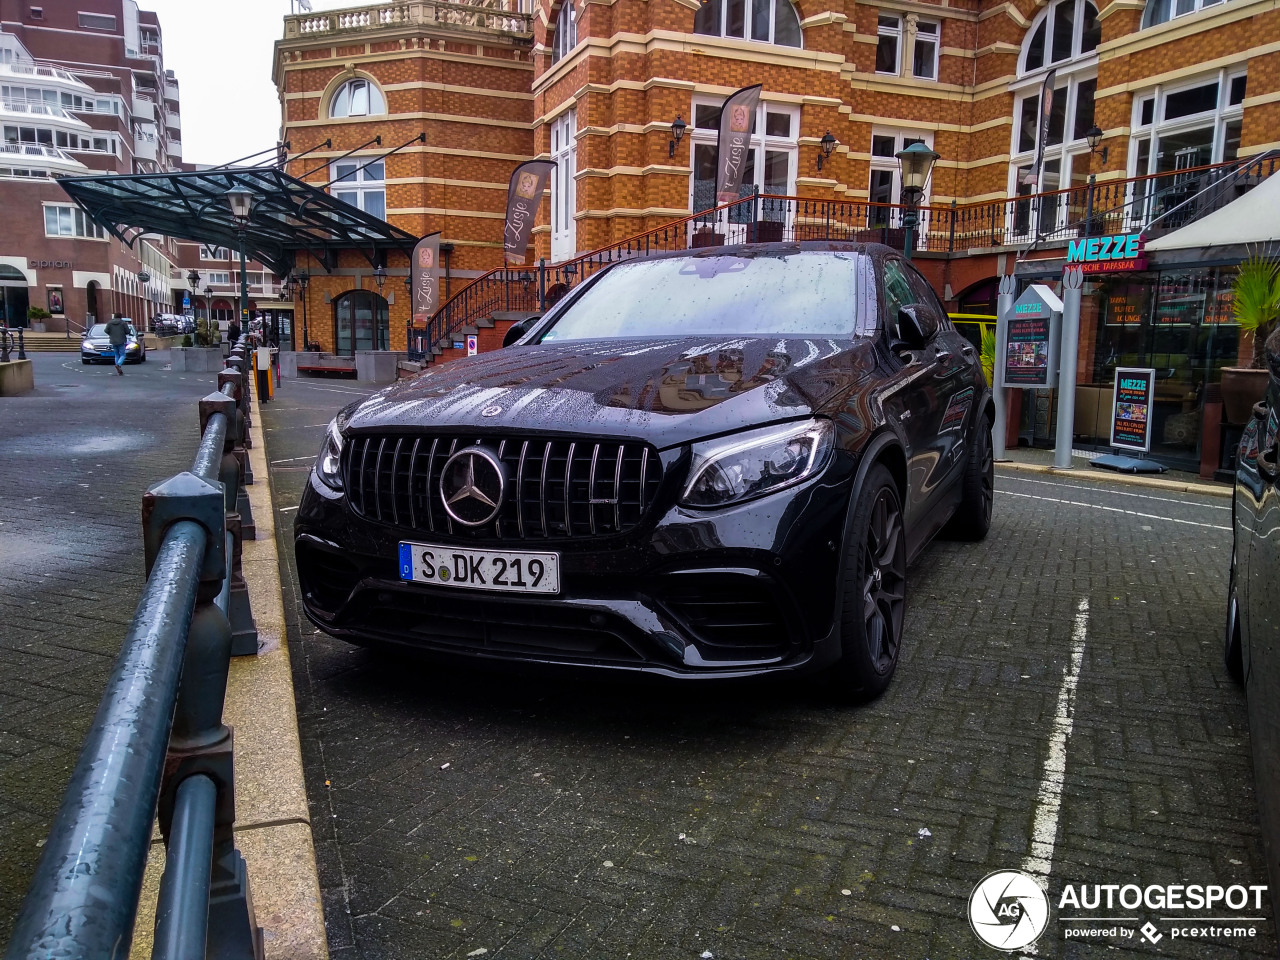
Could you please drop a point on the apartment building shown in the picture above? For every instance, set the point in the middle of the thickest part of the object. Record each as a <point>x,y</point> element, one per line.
<point>83,91</point>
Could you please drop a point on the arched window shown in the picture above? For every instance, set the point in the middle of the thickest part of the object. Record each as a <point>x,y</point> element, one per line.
<point>357,98</point>
<point>1162,11</point>
<point>1064,31</point>
<point>566,37</point>
<point>769,21</point>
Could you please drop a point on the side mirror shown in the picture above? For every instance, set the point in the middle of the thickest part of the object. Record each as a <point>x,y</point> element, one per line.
<point>518,330</point>
<point>917,324</point>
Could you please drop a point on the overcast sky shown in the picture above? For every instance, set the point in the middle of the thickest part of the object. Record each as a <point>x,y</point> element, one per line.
<point>221,55</point>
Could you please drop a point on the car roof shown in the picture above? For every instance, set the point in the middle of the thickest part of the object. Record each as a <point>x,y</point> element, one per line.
<point>877,251</point>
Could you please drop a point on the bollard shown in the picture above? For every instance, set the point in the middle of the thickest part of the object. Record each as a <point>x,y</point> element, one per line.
<point>5,340</point>
<point>22,346</point>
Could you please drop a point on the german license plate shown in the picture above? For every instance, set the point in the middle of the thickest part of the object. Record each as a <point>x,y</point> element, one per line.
<point>503,571</point>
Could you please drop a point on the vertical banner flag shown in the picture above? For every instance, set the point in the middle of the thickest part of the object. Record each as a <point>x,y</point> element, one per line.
<point>1042,127</point>
<point>733,149</point>
<point>425,279</point>
<point>524,194</point>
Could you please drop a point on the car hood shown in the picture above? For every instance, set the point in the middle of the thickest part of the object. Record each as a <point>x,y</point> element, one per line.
<point>668,391</point>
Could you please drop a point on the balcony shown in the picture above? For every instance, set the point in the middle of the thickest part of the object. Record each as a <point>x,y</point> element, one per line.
<point>34,155</point>
<point>31,109</point>
<point>171,90</point>
<point>146,145</point>
<point>26,71</point>
<point>173,120</point>
<point>497,17</point>
<point>175,149</point>
<point>144,108</point>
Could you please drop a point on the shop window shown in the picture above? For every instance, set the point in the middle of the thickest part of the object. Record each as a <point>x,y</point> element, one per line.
<point>1162,11</point>
<point>771,161</point>
<point>361,184</point>
<point>566,36</point>
<point>357,98</point>
<point>767,21</point>
<point>888,41</point>
<point>924,64</point>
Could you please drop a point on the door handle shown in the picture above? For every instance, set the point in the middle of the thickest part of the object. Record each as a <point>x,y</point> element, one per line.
<point>941,355</point>
<point>967,350</point>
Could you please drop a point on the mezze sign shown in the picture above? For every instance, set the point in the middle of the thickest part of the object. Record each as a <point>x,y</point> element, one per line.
<point>1108,254</point>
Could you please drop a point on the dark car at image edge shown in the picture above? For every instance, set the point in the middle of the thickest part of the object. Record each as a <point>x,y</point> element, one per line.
<point>704,464</point>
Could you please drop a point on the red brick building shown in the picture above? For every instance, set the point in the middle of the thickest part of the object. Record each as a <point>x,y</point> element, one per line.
<point>83,90</point>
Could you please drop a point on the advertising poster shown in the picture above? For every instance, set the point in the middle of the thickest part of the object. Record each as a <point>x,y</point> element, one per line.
<point>1131,415</point>
<point>735,136</point>
<point>1026,361</point>
<point>524,196</point>
<point>424,272</point>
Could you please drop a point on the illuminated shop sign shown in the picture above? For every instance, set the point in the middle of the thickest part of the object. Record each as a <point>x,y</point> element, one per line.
<point>1108,254</point>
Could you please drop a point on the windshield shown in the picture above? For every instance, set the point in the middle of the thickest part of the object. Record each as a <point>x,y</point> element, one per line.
<point>794,293</point>
<point>98,330</point>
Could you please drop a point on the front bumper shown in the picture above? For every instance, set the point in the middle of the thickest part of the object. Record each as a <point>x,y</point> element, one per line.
<point>729,593</point>
<point>107,354</point>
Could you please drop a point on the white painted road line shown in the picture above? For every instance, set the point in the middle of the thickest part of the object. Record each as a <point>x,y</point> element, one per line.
<point>294,459</point>
<point>1117,493</point>
<point>1044,830</point>
<point>1129,513</point>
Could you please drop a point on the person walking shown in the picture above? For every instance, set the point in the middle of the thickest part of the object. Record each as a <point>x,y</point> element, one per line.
<point>233,331</point>
<point>118,332</point>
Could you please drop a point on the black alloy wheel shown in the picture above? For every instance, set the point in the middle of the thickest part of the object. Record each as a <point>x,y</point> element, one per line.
<point>875,590</point>
<point>972,518</point>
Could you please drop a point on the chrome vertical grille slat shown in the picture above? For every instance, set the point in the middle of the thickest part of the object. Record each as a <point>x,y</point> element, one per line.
<point>555,490</point>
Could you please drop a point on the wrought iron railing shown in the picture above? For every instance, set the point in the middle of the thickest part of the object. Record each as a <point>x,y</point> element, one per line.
<point>1154,201</point>
<point>158,741</point>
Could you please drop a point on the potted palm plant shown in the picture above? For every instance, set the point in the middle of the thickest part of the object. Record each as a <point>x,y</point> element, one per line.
<point>1255,307</point>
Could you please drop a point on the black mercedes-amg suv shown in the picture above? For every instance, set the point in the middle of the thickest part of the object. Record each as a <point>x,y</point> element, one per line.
<point>703,464</point>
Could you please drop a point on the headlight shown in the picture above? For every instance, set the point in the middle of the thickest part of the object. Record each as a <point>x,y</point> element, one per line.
<point>757,463</point>
<point>87,346</point>
<point>134,345</point>
<point>329,462</point>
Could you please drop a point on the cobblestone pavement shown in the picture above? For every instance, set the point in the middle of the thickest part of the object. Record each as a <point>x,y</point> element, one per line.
<point>462,814</point>
<point>76,457</point>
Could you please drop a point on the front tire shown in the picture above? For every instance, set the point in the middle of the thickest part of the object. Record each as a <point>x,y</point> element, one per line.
<point>875,589</point>
<point>972,518</point>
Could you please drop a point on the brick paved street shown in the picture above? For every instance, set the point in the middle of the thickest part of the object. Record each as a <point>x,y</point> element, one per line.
<point>463,812</point>
<point>75,458</point>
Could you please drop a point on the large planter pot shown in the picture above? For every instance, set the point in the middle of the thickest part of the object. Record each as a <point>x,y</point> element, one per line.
<point>707,238</point>
<point>196,359</point>
<point>1242,387</point>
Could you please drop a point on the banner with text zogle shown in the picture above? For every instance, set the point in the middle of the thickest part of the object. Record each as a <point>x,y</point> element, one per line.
<point>523,197</point>
<point>424,272</point>
<point>735,142</point>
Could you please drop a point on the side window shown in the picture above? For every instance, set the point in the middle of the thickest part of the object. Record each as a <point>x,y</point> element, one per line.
<point>897,293</point>
<point>922,292</point>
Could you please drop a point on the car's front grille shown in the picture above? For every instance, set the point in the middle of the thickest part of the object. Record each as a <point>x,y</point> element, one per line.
<point>556,488</point>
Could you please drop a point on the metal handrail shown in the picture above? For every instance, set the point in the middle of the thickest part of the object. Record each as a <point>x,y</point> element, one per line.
<point>157,740</point>
<point>1133,203</point>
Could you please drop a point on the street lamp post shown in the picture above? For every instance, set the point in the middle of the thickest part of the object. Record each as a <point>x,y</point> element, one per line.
<point>193,284</point>
<point>303,279</point>
<point>241,203</point>
<point>915,164</point>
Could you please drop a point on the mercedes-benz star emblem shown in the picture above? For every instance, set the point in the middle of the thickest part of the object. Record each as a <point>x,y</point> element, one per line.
<point>472,485</point>
<point>491,411</point>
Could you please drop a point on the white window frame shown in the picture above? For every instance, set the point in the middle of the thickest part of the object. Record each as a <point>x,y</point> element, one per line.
<point>218,278</point>
<point>566,35</point>
<point>890,164</point>
<point>1152,10</point>
<point>366,185</point>
<point>564,186</point>
<point>1046,18</point>
<point>937,47</point>
<point>898,35</point>
<point>215,253</point>
<point>1070,153</point>
<point>748,23</point>
<point>341,99</point>
<point>72,223</point>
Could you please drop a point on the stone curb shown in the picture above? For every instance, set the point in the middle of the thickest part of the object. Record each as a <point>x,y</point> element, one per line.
<point>1122,479</point>
<point>273,822</point>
